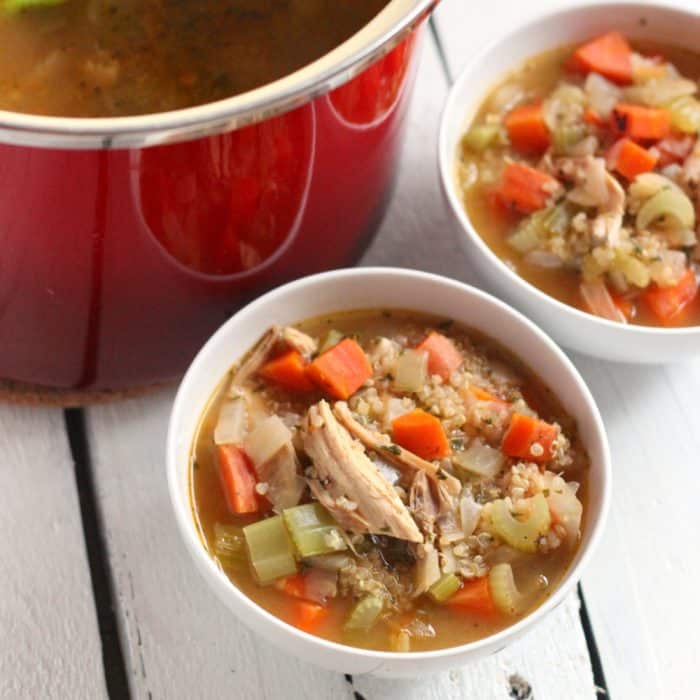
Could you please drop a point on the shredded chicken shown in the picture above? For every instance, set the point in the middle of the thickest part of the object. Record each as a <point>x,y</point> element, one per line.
<point>281,474</point>
<point>395,454</point>
<point>304,344</point>
<point>257,356</point>
<point>348,484</point>
<point>422,504</point>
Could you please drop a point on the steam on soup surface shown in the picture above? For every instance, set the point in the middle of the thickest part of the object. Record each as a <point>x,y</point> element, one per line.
<point>582,171</point>
<point>386,480</point>
<point>102,58</point>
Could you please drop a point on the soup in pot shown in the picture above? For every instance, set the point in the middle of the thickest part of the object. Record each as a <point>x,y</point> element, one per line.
<point>389,480</point>
<point>108,58</point>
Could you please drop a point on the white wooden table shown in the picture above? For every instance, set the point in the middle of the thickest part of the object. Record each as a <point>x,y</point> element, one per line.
<point>98,597</point>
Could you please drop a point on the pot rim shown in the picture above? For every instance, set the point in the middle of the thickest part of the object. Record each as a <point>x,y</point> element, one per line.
<point>375,39</point>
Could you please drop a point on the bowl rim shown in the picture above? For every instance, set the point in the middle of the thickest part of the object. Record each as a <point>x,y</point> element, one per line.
<point>447,160</point>
<point>209,569</point>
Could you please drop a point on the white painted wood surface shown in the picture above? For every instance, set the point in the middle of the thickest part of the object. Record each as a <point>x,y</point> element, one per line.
<point>180,641</point>
<point>49,642</point>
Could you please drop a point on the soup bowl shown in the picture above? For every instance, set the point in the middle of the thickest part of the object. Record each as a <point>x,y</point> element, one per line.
<point>126,241</point>
<point>569,326</point>
<point>366,288</point>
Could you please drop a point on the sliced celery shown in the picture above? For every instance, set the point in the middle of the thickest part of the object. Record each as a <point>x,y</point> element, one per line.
<point>481,136</point>
<point>313,530</point>
<point>270,551</point>
<point>411,371</point>
<point>504,592</point>
<point>445,588</point>
<point>364,613</point>
<point>685,114</point>
<point>557,220</point>
<point>333,337</point>
<point>521,534</point>
<point>669,202</point>
<point>566,136</point>
<point>229,543</point>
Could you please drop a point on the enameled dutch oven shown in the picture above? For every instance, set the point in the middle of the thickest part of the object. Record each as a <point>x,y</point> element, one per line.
<point>125,242</point>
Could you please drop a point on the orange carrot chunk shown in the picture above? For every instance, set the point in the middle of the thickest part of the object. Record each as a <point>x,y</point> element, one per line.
<point>443,356</point>
<point>641,123</point>
<point>527,130</point>
<point>288,371</point>
<point>307,616</point>
<point>609,55</point>
<point>668,302</point>
<point>625,305</point>
<point>421,433</point>
<point>238,480</point>
<point>525,189</point>
<point>592,117</point>
<point>630,159</point>
<point>294,586</point>
<point>342,370</point>
<point>474,597</point>
<point>529,438</point>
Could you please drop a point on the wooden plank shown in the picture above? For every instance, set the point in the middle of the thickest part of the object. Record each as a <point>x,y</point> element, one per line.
<point>50,641</point>
<point>180,640</point>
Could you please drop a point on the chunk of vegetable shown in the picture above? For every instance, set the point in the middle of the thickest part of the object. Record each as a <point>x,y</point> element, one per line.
<point>525,189</point>
<point>609,55</point>
<point>599,301</point>
<point>668,302</point>
<point>270,550</point>
<point>307,616</point>
<point>670,202</point>
<point>329,562</point>
<point>232,422</point>
<point>426,571</point>
<point>564,507</point>
<point>641,123</point>
<point>288,371</point>
<point>527,130</point>
<point>445,588</point>
<point>12,6</point>
<point>481,460</point>
<point>229,544</point>
<point>411,371</point>
<point>529,438</point>
<point>313,530</point>
<point>364,613</point>
<point>506,596</point>
<point>521,534</point>
<point>294,586</point>
<point>685,114</point>
<point>421,433</point>
<point>443,356</point>
<point>602,97</point>
<point>629,159</point>
<point>567,135</point>
<point>481,136</point>
<point>342,370</point>
<point>237,479</point>
<point>473,597</point>
<point>267,439</point>
<point>333,337</point>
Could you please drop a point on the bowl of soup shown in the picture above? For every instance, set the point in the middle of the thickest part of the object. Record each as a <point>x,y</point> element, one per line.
<point>569,158</point>
<point>164,163</point>
<point>386,471</point>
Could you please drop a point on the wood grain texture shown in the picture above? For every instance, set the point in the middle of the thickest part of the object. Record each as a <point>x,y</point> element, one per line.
<point>50,642</point>
<point>180,641</point>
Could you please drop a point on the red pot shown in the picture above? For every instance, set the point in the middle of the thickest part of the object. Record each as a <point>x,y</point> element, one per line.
<point>125,242</point>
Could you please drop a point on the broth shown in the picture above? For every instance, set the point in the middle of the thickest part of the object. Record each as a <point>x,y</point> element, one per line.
<point>101,58</point>
<point>447,629</point>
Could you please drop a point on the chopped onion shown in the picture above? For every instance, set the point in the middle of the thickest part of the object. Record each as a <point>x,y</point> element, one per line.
<point>599,301</point>
<point>329,562</point>
<point>543,258</point>
<point>232,422</point>
<point>320,585</point>
<point>481,460</point>
<point>469,512</point>
<point>669,268</point>
<point>602,94</point>
<point>659,91</point>
<point>411,371</point>
<point>267,439</point>
<point>427,571</point>
<point>506,97</point>
<point>565,507</point>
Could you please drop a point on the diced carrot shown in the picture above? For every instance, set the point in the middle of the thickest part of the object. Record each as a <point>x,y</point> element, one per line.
<point>609,55</point>
<point>287,370</point>
<point>481,395</point>
<point>668,302</point>
<point>590,116</point>
<point>443,356</point>
<point>674,149</point>
<point>524,432</point>
<point>307,615</point>
<point>238,480</point>
<point>499,207</point>
<point>525,189</point>
<point>641,123</point>
<point>625,304</point>
<point>342,370</point>
<point>630,159</point>
<point>421,433</point>
<point>527,130</point>
<point>474,597</point>
<point>294,586</point>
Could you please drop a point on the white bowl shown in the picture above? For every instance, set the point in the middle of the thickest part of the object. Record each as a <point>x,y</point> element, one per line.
<point>569,326</point>
<point>379,288</point>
